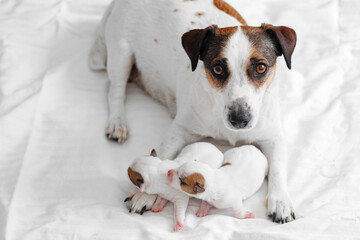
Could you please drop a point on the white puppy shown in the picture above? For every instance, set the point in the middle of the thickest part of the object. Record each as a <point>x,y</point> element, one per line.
<point>240,176</point>
<point>149,174</point>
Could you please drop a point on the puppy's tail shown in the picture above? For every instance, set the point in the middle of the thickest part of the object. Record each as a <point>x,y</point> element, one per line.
<point>98,53</point>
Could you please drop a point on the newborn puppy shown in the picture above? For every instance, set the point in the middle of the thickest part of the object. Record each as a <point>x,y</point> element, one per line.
<point>239,177</point>
<point>150,174</point>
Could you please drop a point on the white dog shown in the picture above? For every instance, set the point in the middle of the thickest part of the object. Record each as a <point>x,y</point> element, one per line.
<point>150,175</point>
<point>228,95</point>
<point>240,176</point>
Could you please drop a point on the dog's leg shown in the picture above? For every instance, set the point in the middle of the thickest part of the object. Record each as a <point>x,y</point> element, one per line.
<point>179,213</point>
<point>278,201</point>
<point>119,63</point>
<point>159,204</point>
<point>175,139</point>
<point>204,209</point>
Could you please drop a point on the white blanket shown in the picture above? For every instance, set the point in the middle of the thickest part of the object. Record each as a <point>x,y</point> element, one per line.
<point>60,178</point>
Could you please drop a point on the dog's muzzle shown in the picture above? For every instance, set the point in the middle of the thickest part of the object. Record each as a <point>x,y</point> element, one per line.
<point>239,114</point>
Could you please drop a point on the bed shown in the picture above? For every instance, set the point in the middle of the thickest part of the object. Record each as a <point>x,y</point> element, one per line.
<point>60,178</point>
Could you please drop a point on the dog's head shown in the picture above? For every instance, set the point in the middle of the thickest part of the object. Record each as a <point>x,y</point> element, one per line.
<point>191,178</point>
<point>141,170</point>
<point>240,65</point>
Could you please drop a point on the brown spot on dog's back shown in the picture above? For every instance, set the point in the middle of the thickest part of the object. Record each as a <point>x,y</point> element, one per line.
<point>176,10</point>
<point>156,40</point>
<point>199,14</point>
<point>135,177</point>
<point>225,164</point>
<point>195,183</point>
<point>192,22</point>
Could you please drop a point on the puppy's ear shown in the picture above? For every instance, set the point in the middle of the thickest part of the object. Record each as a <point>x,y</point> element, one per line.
<point>153,153</point>
<point>196,43</point>
<point>142,187</point>
<point>198,188</point>
<point>284,39</point>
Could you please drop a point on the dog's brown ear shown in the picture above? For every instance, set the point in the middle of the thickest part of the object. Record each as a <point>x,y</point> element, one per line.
<point>284,39</point>
<point>195,43</point>
<point>198,188</point>
<point>153,153</point>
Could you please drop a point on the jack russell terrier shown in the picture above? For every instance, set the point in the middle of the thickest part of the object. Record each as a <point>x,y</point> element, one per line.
<point>240,176</point>
<point>150,174</point>
<point>230,94</point>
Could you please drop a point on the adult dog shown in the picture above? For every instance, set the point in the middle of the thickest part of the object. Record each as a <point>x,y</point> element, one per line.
<point>228,95</point>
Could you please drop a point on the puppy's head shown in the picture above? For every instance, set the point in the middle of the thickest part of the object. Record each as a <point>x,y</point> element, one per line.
<point>240,65</point>
<point>142,169</point>
<point>191,178</point>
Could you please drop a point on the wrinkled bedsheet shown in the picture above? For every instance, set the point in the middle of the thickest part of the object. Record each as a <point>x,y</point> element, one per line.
<point>60,178</point>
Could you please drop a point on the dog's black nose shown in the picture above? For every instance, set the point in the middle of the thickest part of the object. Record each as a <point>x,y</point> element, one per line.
<point>239,115</point>
<point>239,119</point>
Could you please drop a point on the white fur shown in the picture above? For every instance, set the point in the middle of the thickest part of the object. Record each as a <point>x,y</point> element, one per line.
<point>228,186</point>
<point>155,172</point>
<point>148,33</point>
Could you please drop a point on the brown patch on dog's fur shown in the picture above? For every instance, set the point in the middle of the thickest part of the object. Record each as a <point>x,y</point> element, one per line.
<point>254,58</point>
<point>135,177</point>
<point>199,14</point>
<point>225,7</point>
<point>176,10</point>
<point>272,41</point>
<point>215,52</point>
<point>195,183</point>
<point>192,22</point>
<point>156,40</point>
<point>265,49</point>
<point>225,164</point>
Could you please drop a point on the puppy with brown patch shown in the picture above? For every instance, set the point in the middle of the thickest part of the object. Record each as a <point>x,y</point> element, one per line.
<point>149,174</point>
<point>240,176</point>
<point>215,74</point>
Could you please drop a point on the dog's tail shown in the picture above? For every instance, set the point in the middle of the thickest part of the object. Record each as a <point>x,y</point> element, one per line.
<point>225,7</point>
<point>98,53</point>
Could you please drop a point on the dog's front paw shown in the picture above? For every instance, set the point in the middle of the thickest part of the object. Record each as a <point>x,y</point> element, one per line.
<point>117,130</point>
<point>280,208</point>
<point>140,202</point>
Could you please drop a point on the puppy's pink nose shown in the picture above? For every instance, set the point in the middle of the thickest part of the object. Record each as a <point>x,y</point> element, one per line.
<point>171,174</point>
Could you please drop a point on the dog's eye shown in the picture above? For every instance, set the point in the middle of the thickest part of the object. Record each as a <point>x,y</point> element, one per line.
<point>261,68</point>
<point>182,182</point>
<point>218,70</point>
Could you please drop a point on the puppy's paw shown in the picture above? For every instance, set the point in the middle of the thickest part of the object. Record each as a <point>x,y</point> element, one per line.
<point>159,204</point>
<point>117,130</point>
<point>280,208</point>
<point>249,215</point>
<point>201,213</point>
<point>243,214</point>
<point>178,226</point>
<point>140,202</point>
<point>204,209</point>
